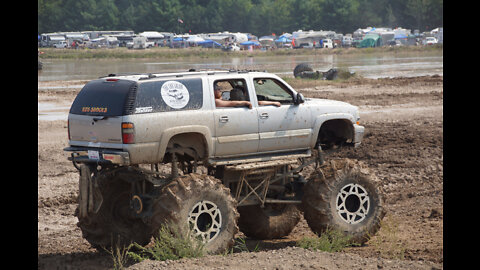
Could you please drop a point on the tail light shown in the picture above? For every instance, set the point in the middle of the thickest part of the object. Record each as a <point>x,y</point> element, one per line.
<point>68,128</point>
<point>128,133</point>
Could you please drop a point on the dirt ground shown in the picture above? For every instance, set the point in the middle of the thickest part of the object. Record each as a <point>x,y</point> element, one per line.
<point>403,144</point>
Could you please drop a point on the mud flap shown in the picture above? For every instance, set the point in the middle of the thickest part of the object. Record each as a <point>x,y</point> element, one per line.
<point>90,198</point>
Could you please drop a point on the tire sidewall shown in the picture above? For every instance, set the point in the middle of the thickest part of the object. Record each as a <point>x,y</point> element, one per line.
<point>320,199</point>
<point>373,211</point>
<point>176,200</point>
<point>227,222</point>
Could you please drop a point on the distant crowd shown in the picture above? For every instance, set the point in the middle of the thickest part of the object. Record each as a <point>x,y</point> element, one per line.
<point>362,38</point>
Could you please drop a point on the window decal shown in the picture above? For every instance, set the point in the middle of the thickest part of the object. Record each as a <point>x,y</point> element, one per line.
<point>175,94</point>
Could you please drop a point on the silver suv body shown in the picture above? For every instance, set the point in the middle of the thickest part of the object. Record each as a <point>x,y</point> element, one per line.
<point>138,119</point>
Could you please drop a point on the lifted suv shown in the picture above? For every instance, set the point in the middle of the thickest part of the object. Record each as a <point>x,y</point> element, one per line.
<point>122,127</point>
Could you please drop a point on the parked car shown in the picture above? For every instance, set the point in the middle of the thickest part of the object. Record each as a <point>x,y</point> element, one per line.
<point>306,45</point>
<point>430,41</point>
<point>61,44</point>
<point>231,47</point>
<point>347,41</point>
<point>394,42</point>
<point>327,43</point>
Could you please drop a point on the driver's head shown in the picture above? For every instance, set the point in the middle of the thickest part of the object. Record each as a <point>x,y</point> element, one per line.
<point>217,92</point>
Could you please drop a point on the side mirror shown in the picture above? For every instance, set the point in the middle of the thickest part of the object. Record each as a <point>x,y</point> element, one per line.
<point>299,99</point>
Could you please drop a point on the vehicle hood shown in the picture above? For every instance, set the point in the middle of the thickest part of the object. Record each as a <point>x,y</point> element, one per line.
<point>331,106</point>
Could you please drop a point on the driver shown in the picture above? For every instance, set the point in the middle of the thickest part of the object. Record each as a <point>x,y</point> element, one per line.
<point>238,93</point>
<point>219,102</point>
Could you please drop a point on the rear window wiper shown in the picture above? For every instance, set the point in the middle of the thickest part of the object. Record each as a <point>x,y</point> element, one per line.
<point>100,118</point>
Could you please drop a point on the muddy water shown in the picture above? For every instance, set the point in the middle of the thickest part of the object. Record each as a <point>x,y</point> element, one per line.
<point>370,66</point>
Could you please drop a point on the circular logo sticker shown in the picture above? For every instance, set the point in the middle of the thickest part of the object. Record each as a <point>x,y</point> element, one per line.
<point>175,94</point>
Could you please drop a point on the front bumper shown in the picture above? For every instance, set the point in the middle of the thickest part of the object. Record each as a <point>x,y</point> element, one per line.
<point>358,132</point>
<point>97,156</point>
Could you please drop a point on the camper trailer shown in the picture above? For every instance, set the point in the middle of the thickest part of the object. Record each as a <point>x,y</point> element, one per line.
<point>50,39</point>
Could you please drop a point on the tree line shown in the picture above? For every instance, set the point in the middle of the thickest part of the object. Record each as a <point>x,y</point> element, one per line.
<point>259,17</point>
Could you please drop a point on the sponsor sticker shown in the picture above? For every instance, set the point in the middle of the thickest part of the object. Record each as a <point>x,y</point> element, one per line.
<point>175,94</point>
<point>94,109</point>
<point>143,109</point>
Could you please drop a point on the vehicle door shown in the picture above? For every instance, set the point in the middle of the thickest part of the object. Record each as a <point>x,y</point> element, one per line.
<point>236,128</point>
<point>287,127</point>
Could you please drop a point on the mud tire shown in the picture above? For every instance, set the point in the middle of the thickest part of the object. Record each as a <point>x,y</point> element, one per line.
<point>350,185</point>
<point>113,225</point>
<point>182,196</point>
<point>301,68</point>
<point>273,221</point>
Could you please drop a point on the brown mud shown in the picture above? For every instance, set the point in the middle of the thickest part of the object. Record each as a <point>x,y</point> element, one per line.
<point>403,145</point>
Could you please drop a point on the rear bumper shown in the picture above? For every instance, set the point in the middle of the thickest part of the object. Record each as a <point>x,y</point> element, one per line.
<point>98,156</point>
<point>358,132</point>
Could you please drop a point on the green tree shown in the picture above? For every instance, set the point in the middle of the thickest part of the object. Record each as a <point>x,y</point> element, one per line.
<point>337,15</point>
<point>49,15</point>
<point>259,17</point>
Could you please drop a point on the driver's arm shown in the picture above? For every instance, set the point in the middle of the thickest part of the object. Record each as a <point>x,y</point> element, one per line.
<point>265,102</point>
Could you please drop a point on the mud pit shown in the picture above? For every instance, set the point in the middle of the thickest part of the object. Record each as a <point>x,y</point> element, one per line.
<point>403,144</point>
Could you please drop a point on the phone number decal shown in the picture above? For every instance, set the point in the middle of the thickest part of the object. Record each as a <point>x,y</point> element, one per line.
<point>94,109</point>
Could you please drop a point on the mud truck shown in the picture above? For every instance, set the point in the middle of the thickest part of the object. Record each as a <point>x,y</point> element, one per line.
<point>153,149</point>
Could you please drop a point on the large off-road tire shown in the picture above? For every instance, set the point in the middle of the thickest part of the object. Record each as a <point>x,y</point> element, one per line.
<point>344,195</point>
<point>273,221</point>
<point>301,68</point>
<point>114,223</point>
<point>201,203</point>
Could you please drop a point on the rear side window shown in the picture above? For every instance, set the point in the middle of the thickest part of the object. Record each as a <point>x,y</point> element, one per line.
<point>106,98</point>
<point>169,95</point>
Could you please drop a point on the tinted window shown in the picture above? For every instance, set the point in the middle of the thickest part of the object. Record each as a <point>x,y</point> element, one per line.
<point>99,97</point>
<point>169,95</point>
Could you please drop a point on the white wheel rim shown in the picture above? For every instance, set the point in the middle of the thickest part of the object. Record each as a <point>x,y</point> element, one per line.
<point>353,203</point>
<point>205,220</point>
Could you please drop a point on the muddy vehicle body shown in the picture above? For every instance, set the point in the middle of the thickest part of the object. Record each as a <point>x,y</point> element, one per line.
<point>123,129</point>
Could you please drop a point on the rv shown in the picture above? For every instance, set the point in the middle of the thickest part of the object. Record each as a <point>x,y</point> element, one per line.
<point>50,39</point>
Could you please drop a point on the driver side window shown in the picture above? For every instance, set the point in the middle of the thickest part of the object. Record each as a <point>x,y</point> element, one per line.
<point>272,90</point>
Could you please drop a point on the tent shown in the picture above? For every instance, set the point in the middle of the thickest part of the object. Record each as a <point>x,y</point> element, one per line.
<point>283,39</point>
<point>370,40</point>
<point>151,35</point>
<point>250,43</point>
<point>195,39</point>
<point>209,44</point>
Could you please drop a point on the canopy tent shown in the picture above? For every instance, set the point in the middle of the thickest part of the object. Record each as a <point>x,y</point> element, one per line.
<point>283,39</point>
<point>151,35</point>
<point>370,40</point>
<point>209,44</point>
<point>266,38</point>
<point>399,36</point>
<point>250,43</point>
<point>195,39</point>
<point>287,35</point>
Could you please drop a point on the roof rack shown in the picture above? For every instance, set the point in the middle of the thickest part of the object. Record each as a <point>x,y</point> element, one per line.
<point>122,74</point>
<point>191,71</point>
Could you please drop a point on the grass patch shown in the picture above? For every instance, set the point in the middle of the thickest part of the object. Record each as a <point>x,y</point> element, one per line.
<point>332,240</point>
<point>170,53</point>
<point>171,244</point>
<point>387,241</point>
<point>240,246</point>
<point>119,256</point>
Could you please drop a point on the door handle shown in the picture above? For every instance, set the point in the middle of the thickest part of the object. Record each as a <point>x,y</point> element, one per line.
<point>223,119</point>
<point>263,115</point>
